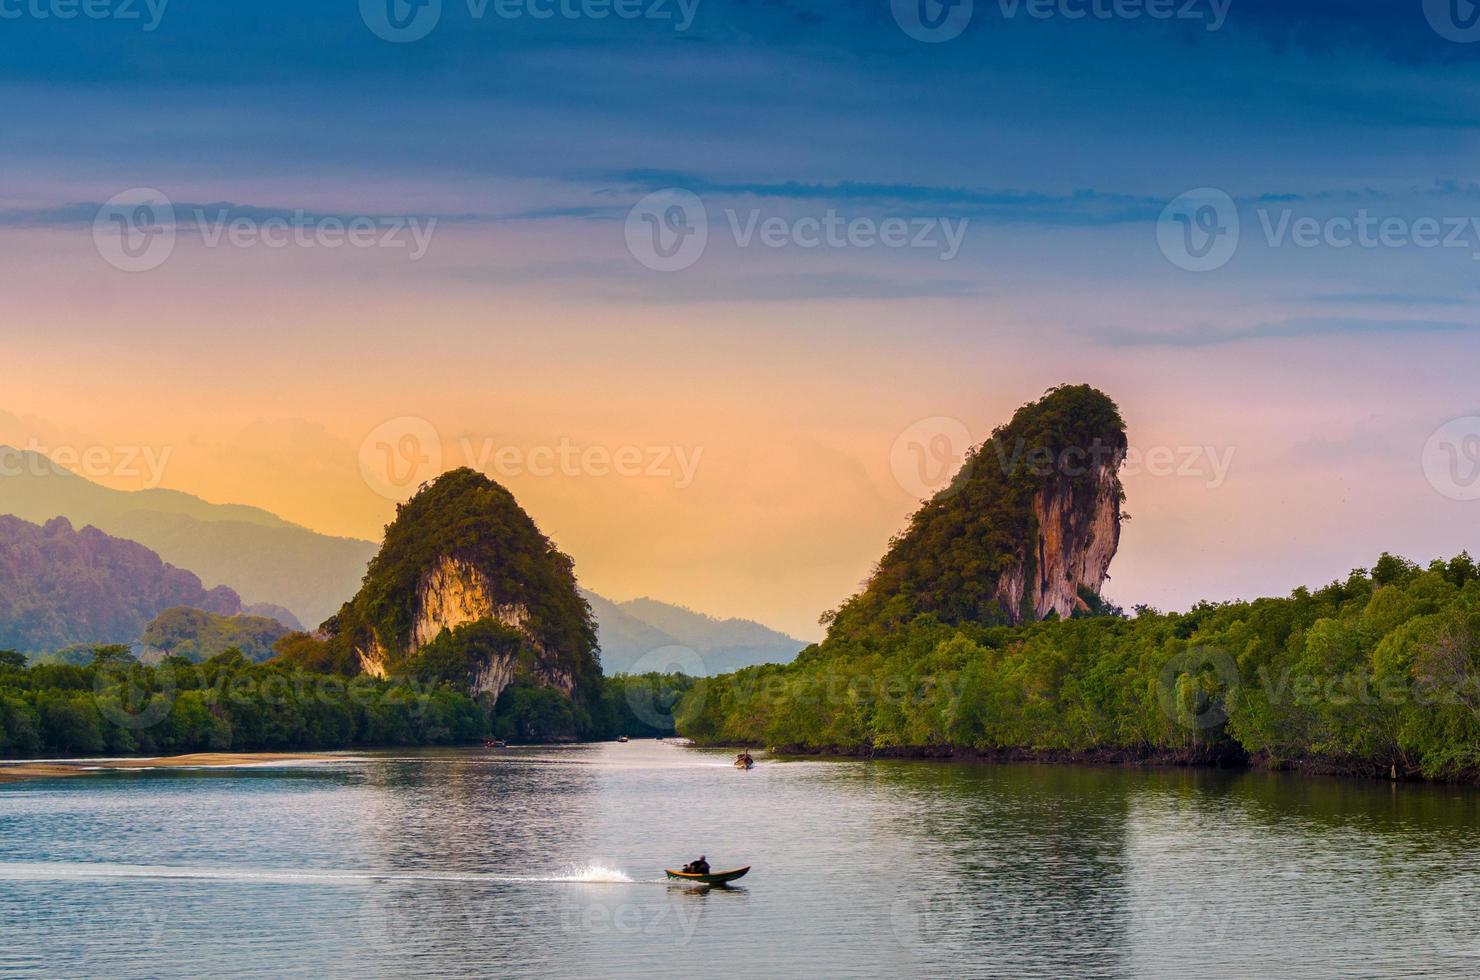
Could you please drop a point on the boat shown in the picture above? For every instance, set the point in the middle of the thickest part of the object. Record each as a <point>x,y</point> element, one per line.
<point>713,878</point>
<point>744,761</point>
<point>493,743</point>
<point>621,738</point>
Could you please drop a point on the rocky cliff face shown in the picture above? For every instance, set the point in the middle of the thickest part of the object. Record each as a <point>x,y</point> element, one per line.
<point>466,585</point>
<point>60,587</point>
<point>1026,529</point>
<point>449,594</point>
<point>1077,535</point>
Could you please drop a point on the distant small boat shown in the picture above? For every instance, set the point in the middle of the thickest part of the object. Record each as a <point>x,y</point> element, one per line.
<point>713,878</point>
<point>493,743</point>
<point>744,761</point>
<point>622,738</point>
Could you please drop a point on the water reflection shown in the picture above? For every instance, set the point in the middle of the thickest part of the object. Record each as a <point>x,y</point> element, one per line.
<point>471,862</point>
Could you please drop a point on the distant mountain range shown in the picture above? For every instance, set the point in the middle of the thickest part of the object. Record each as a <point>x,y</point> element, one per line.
<point>263,557</point>
<point>60,586</point>
<point>643,635</point>
<point>280,570</point>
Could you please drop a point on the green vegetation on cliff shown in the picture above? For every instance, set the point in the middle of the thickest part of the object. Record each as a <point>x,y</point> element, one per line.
<point>950,560</point>
<point>468,519</point>
<point>1376,674</point>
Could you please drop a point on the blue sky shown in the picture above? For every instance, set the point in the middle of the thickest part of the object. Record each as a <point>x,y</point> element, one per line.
<point>1057,145</point>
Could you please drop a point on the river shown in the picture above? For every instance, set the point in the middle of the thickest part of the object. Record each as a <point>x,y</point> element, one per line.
<point>483,862</point>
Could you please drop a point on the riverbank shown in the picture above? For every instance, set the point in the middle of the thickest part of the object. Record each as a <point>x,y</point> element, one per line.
<point>11,772</point>
<point>1222,758</point>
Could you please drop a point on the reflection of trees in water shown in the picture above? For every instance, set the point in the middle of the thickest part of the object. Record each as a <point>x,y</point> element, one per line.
<point>1016,867</point>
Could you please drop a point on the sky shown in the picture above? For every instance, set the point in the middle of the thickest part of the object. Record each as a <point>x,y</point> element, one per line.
<point>721,289</point>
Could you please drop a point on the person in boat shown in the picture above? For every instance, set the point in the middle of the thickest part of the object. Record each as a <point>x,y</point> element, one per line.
<point>699,867</point>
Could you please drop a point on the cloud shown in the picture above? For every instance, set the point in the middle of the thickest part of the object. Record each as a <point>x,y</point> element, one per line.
<point>1381,299</point>
<point>1195,337</point>
<point>1080,207</point>
<point>190,215</point>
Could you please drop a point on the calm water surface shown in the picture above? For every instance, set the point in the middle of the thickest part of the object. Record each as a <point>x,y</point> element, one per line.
<point>476,862</point>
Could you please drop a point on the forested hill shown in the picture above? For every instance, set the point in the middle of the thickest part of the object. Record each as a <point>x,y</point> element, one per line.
<point>1377,674</point>
<point>466,588</point>
<point>1026,529</point>
<point>60,586</point>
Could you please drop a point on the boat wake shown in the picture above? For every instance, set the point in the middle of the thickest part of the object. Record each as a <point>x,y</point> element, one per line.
<point>83,871</point>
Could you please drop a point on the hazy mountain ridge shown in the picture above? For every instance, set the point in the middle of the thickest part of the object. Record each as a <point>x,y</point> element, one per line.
<point>261,556</point>
<point>60,586</point>
<point>630,631</point>
<point>301,578</point>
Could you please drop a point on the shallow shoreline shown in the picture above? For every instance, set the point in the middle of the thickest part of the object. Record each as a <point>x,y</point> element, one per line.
<point>11,772</point>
